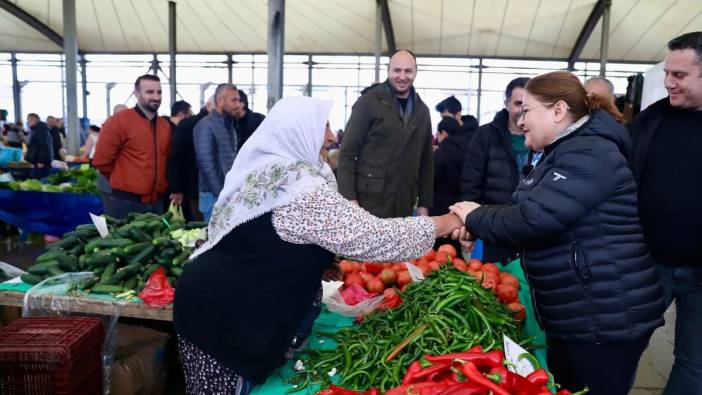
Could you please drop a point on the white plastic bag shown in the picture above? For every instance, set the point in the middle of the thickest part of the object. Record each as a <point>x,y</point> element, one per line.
<point>331,296</point>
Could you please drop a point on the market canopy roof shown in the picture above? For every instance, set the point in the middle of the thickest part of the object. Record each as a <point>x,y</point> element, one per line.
<point>488,28</point>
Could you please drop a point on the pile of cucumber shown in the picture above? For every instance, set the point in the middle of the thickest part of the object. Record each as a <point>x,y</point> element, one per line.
<point>120,262</point>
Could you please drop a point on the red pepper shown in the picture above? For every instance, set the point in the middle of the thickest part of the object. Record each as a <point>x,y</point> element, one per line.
<point>473,375</point>
<point>538,377</point>
<point>519,384</point>
<point>372,391</point>
<point>487,360</point>
<point>412,389</point>
<point>563,392</point>
<point>343,391</point>
<point>477,348</point>
<point>499,375</point>
<point>426,373</point>
<point>411,371</point>
<point>464,389</point>
<point>325,392</point>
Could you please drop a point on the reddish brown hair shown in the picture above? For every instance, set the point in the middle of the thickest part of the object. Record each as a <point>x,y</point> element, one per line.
<point>562,85</point>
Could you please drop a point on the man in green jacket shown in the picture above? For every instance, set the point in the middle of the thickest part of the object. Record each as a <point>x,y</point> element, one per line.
<point>385,163</point>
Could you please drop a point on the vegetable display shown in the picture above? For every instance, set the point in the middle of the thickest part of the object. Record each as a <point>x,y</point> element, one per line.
<point>121,262</point>
<point>447,312</point>
<point>73,181</point>
<point>473,372</point>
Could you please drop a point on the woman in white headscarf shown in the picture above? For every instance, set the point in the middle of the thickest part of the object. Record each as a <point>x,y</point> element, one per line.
<point>274,231</point>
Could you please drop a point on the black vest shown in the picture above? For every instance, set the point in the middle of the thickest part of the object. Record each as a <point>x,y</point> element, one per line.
<point>242,301</point>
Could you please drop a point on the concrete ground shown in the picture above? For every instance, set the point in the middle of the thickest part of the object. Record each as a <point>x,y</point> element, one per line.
<point>657,360</point>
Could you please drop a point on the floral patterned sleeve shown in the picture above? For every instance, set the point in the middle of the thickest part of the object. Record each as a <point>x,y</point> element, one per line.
<point>325,218</point>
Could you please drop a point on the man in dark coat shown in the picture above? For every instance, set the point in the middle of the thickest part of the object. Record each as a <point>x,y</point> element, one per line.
<point>448,164</point>
<point>246,121</point>
<point>56,132</point>
<point>451,107</point>
<point>182,165</point>
<point>40,150</point>
<point>665,159</point>
<point>494,163</point>
<point>385,163</point>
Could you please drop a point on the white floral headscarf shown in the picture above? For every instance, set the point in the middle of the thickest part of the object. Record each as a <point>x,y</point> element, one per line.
<point>278,163</point>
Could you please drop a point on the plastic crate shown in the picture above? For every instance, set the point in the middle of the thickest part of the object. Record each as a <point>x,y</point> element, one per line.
<point>52,356</point>
<point>9,154</point>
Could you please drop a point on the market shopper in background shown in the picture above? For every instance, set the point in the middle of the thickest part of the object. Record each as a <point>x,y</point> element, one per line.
<point>40,150</point>
<point>451,107</point>
<point>103,184</point>
<point>596,289</point>
<point>215,146</point>
<point>132,151</point>
<point>179,111</point>
<point>600,86</point>
<point>665,160</point>
<point>236,311</point>
<point>245,120</point>
<point>385,163</point>
<point>496,160</point>
<point>90,142</point>
<point>58,133</point>
<point>182,164</point>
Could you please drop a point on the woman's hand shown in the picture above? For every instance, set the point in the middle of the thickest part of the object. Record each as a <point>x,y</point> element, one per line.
<point>446,224</point>
<point>462,209</point>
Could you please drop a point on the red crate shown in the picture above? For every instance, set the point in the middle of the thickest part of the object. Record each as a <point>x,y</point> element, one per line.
<point>52,356</point>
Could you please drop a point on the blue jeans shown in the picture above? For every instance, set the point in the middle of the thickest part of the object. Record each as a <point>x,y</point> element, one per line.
<point>206,203</point>
<point>684,285</point>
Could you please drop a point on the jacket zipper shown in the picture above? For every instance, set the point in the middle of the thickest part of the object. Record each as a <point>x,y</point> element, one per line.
<point>526,271</point>
<point>153,132</point>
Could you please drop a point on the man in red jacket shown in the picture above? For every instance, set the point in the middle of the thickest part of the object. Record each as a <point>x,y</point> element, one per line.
<point>132,151</point>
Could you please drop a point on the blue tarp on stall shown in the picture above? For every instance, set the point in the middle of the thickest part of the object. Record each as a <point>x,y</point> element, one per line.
<point>47,212</point>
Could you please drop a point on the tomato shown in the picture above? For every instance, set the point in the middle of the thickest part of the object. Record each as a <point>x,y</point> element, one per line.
<point>490,280</point>
<point>374,285</point>
<point>388,276</point>
<point>518,310</point>
<point>443,257</point>
<point>390,293</point>
<point>509,279</point>
<point>425,269</point>
<point>434,265</point>
<point>430,255</point>
<point>507,293</point>
<point>448,248</point>
<point>403,278</point>
<point>365,276</point>
<point>354,278</point>
<point>422,260</point>
<point>475,264</point>
<point>398,266</point>
<point>348,267</point>
<point>491,267</point>
<point>476,274</point>
<point>460,264</point>
<point>374,268</point>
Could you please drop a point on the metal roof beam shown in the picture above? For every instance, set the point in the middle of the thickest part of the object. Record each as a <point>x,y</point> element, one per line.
<point>387,26</point>
<point>30,20</point>
<point>584,36</point>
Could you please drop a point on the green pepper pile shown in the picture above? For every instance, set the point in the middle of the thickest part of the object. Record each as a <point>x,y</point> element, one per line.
<point>122,261</point>
<point>447,312</point>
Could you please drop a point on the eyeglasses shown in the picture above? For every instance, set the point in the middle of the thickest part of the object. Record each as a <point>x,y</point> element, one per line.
<point>524,111</point>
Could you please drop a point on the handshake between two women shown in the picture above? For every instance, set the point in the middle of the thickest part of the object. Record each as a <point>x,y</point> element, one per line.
<point>453,224</point>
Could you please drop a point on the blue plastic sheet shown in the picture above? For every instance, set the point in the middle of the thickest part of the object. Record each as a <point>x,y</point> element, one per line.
<point>47,212</point>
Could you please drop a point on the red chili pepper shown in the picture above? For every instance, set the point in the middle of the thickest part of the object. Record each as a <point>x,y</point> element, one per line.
<point>477,348</point>
<point>519,384</point>
<point>411,371</point>
<point>463,389</point>
<point>473,374</point>
<point>538,377</point>
<point>411,389</point>
<point>499,375</point>
<point>343,391</point>
<point>487,360</point>
<point>325,392</point>
<point>431,370</point>
<point>563,392</point>
<point>372,391</point>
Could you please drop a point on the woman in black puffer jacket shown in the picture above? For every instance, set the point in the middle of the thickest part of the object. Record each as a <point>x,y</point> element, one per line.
<point>596,291</point>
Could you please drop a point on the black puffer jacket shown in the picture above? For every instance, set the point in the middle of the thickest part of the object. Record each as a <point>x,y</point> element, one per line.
<point>584,252</point>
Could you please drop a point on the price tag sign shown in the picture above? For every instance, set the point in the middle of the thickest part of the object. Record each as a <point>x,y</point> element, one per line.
<point>514,354</point>
<point>100,224</point>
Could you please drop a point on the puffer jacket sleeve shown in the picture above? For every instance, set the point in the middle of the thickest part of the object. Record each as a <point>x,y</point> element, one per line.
<point>580,179</point>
